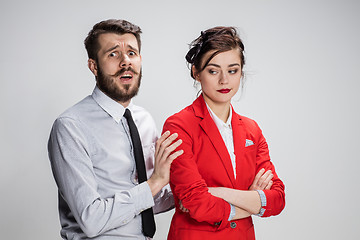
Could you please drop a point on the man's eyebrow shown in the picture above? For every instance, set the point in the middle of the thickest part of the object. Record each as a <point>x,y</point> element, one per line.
<point>133,48</point>
<point>117,45</point>
<point>112,48</point>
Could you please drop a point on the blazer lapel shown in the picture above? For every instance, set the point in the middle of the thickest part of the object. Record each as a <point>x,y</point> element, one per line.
<point>239,136</point>
<point>211,130</point>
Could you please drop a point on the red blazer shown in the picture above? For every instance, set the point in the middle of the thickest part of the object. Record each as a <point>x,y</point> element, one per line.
<point>206,163</point>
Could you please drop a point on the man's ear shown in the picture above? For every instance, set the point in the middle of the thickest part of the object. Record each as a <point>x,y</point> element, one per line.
<point>92,66</point>
<point>195,73</point>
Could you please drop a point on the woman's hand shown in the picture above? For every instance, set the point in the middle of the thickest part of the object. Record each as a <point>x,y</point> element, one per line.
<point>248,200</point>
<point>182,208</point>
<point>262,180</point>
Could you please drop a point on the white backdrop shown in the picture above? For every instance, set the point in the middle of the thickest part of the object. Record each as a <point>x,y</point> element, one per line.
<point>302,88</point>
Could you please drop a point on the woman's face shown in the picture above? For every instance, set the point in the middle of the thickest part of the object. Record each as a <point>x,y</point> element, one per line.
<point>220,79</point>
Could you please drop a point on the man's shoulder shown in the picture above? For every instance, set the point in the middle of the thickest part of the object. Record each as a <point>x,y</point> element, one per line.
<point>78,109</point>
<point>79,116</point>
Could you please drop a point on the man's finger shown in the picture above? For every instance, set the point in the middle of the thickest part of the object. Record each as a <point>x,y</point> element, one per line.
<point>173,156</point>
<point>160,140</point>
<point>170,149</point>
<point>161,145</point>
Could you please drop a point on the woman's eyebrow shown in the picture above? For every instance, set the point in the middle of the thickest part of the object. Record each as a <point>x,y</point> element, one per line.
<point>218,66</point>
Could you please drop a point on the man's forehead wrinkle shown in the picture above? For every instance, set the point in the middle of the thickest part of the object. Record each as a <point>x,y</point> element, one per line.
<point>121,44</point>
<point>115,45</point>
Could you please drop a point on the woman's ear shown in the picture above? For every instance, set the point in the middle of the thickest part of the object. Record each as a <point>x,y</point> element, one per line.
<point>92,66</point>
<point>195,74</point>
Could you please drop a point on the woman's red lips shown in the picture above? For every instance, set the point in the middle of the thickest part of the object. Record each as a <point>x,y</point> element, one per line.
<point>225,90</point>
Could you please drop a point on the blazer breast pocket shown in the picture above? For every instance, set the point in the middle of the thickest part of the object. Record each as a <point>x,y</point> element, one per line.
<point>250,151</point>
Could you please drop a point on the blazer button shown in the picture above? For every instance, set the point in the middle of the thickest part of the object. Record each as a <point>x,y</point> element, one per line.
<point>233,224</point>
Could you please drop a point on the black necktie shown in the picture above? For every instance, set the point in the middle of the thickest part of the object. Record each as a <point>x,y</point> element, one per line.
<point>147,216</point>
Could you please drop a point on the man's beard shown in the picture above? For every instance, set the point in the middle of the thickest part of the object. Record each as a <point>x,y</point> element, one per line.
<point>108,85</point>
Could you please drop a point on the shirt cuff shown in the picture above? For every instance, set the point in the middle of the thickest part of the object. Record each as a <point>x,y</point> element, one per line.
<point>263,203</point>
<point>232,212</point>
<point>164,200</point>
<point>143,199</point>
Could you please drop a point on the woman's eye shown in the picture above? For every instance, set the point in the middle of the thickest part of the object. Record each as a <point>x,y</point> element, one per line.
<point>233,71</point>
<point>213,72</point>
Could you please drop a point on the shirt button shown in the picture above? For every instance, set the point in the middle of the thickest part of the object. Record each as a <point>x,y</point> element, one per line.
<point>233,224</point>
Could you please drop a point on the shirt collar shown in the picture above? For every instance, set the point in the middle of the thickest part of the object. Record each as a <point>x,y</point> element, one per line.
<point>113,108</point>
<point>219,123</point>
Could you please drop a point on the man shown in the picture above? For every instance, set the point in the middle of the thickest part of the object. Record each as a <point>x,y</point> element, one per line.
<point>91,146</point>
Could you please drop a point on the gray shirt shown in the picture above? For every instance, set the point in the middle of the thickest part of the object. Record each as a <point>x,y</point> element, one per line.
<point>91,156</point>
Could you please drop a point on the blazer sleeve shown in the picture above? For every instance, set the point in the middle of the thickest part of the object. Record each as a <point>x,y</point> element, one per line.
<point>275,197</point>
<point>187,184</point>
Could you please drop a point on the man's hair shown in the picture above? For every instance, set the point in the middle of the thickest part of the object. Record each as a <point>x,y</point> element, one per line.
<point>109,26</point>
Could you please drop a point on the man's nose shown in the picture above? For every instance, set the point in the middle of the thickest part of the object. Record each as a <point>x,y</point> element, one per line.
<point>125,61</point>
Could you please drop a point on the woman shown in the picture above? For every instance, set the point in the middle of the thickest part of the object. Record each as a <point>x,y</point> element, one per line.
<point>225,174</point>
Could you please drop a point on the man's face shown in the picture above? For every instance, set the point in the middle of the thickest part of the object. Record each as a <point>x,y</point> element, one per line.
<point>118,68</point>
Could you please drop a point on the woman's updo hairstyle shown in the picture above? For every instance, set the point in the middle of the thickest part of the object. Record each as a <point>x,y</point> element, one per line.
<point>217,39</point>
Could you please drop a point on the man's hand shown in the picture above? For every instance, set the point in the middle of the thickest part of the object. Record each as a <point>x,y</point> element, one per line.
<point>164,155</point>
<point>262,180</point>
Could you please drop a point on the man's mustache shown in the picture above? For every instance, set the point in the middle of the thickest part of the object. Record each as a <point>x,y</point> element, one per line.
<point>121,71</point>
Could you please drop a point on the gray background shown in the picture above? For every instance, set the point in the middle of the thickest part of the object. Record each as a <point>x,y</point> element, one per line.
<point>301,87</point>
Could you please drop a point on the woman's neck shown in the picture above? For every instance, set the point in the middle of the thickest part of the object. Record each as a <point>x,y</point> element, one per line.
<point>221,110</point>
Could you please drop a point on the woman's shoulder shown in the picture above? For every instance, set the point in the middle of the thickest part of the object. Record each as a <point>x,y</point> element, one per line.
<point>184,116</point>
<point>248,122</point>
<point>181,122</point>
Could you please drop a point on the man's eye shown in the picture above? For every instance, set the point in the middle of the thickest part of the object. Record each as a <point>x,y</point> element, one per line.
<point>132,53</point>
<point>113,54</point>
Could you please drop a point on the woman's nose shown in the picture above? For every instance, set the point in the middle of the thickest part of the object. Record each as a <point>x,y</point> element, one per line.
<point>223,78</point>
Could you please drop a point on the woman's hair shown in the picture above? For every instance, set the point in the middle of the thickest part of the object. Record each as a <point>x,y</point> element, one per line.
<point>109,26</point>
<point>217,39</point>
